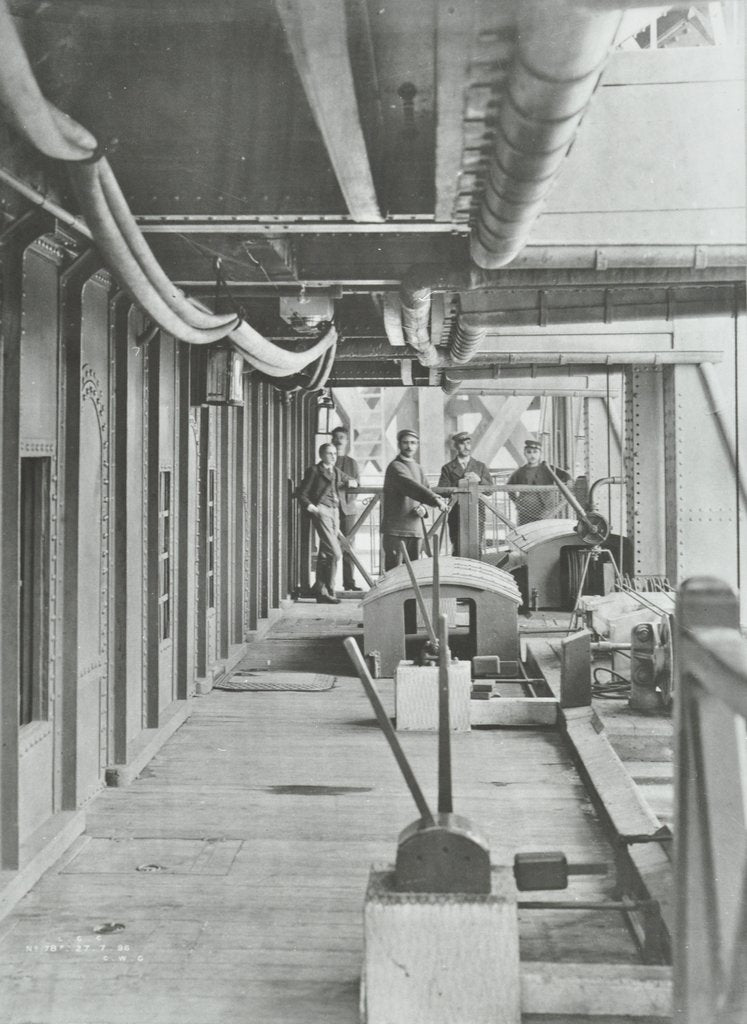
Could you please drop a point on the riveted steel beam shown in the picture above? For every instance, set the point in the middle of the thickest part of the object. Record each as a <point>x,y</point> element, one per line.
<point>317,36</point>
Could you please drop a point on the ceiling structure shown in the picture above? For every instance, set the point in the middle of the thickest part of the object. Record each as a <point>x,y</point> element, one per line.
<point>415,170</point>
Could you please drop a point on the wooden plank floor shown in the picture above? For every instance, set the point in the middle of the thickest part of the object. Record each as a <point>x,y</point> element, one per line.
<point>254,829</point>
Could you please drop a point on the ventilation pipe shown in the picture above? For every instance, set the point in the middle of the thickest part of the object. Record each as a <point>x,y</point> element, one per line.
<point>467,339</point>
<point>415,294</point>
<point>561,51</point>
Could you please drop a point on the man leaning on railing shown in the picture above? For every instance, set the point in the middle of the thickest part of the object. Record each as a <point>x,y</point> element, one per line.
<point>463,467</point>
<point>405,497</point>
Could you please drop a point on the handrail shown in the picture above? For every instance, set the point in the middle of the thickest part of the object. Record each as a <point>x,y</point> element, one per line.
<point>718,665</point>
<point>710,827</point>
<point>482,488</point>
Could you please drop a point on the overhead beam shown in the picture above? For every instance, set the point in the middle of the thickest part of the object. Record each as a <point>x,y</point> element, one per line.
<point>537,387</point>
<point>293,224</point>
<point>317,36</point>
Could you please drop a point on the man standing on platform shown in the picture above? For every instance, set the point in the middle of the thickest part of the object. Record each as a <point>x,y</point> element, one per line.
<point>319,495</point>
<point>405,497</point>
<point>463,467</point>
<point>348,512</point>
<point>531,506</point>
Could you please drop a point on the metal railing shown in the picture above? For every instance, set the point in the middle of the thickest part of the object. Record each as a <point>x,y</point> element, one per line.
<point>710,852</point>
<point>487,519</point>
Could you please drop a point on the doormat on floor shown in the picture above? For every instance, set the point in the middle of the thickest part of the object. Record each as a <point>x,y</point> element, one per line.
<point>262,680</point>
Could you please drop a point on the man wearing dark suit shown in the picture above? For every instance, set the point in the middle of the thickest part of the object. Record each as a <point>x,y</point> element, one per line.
<point>348,510</point>
<point>463,467</point>
<point>405,495</point>
<point>319,495</point>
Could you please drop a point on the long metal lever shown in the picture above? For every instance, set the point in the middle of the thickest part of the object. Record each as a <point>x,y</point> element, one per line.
<point>426,538</point>
<point>439,522</point>
<point>348,547</point>
<point>419,597</point>
<point>382,718</point>
<point>570,497</point>
<point>436,597</point>
<point>445,804</point>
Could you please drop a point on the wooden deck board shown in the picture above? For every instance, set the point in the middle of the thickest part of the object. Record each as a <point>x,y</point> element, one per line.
<point>276,937</point>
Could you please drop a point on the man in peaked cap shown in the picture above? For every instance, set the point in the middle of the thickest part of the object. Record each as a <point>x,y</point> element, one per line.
<point>405,497</point>
<point>463,467</point>
<point>538,505</point>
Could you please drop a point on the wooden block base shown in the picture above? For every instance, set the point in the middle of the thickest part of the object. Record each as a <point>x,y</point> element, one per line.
<point>416,696</point>
<point>433,958</point>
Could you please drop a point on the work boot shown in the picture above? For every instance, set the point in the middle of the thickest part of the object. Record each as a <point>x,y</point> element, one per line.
<point>327,599</point>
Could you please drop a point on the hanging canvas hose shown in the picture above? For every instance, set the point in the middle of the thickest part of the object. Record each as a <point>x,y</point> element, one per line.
<point>114,229</point>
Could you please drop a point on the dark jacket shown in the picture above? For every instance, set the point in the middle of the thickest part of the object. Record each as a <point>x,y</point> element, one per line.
<point>315,485</point>
<point>453,472</point>
<point>405,487</point>
<point>538,475</point>
<point>348,499</point>
<point>532,506</point>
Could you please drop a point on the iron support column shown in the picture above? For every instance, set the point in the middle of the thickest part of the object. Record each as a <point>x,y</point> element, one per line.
<point>644,470</point>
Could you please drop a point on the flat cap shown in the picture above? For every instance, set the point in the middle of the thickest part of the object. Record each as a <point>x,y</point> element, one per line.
<point>407,432</point>
<point>532,443</point>
<point>463,435</point>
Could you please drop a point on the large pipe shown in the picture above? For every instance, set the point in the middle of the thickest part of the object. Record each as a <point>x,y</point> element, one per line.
<point>467,340</point>
<point>539,289</point>
<point>118,255</point>
<point>46,127</point>
<point>560,54</point>
<point>113,228</point>
<point>147,291</point>
<point>415,296</point>
<point>602,481</point>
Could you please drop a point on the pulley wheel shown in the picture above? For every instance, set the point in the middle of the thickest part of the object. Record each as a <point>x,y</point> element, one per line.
<point>595,530</point>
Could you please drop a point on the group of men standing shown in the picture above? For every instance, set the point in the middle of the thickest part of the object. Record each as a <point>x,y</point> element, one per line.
<point>325,495</point>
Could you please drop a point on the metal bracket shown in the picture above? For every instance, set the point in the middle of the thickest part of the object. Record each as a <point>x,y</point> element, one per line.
<point>661,835</point>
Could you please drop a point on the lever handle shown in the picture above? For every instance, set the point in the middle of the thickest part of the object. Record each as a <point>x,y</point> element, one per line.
<point>382,718</point>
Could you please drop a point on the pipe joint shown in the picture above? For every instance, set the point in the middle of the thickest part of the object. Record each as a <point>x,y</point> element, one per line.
<point>560,57</point>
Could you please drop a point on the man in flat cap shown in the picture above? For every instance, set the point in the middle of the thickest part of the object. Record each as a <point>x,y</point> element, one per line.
<point>531,506</point>
<point>463,467</point>
<point>406,495</point>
